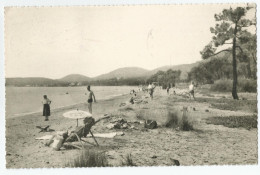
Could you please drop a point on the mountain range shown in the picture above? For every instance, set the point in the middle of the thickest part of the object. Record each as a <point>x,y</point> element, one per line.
<point>127,72</point>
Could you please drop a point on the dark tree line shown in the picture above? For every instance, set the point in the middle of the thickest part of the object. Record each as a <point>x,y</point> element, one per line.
<point>167,78</point>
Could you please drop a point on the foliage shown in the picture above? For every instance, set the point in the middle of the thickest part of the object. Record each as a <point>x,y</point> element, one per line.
<point>244,85</point>
<point>223,85</point>
<point>234,121</point>
<point>89,158</point>
<point>167,78</point>
<point>213,69</point>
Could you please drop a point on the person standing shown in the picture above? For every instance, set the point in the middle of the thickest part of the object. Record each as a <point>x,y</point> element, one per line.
<point>46,107</point>
<point>91,99</point>
<point>191,90</point>
<point>151,90</point>
<point>168,88</point>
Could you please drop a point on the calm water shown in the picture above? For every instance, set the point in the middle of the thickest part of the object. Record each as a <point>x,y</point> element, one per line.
<point>23,100</point>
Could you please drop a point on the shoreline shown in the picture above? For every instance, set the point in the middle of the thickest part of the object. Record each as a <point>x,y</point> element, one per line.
<point>59,108</point>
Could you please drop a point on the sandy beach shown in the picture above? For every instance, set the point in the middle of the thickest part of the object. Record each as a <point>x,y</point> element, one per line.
<point>207,144</point>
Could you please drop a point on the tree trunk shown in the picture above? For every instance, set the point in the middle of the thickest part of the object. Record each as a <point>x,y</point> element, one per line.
<point>249,72</point>
<point>234,89</point>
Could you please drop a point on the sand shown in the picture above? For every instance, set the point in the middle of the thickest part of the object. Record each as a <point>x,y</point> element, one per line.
<point>206,145</point>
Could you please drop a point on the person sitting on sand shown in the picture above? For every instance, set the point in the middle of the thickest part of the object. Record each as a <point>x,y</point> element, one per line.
<point>191,90</point>
<point>91,96</point>
<point>46,107</point>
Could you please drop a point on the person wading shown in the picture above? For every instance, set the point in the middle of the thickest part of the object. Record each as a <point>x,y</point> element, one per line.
<point>91,99</point>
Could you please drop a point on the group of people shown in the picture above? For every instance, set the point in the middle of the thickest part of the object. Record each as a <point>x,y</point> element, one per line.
<point>91,98</point>
<point>190,92</point>
<point>46,103</point>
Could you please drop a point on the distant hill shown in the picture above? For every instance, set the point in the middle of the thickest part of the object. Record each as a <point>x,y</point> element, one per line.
<point>126,72</point>
<point>75,78</point>
<point>33,81</point>
<point>184,68</point>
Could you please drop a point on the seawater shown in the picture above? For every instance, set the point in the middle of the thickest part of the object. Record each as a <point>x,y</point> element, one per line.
<point>24,100</point>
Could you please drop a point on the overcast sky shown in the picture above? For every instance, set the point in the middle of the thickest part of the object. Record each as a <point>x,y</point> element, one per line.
<point>53,42</point>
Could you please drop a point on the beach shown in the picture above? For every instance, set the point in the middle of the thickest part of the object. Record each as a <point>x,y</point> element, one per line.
<point>207,144</point>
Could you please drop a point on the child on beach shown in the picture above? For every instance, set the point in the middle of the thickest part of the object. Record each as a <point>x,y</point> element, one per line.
<point>91,96</point>
<point>46,107</point>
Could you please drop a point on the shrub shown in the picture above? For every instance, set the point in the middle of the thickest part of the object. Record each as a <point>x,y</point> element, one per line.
<point>244,85</point>
<point>89,158</point>
<point>176,121</point>
<point>222,85</point>
<point>247,85</point>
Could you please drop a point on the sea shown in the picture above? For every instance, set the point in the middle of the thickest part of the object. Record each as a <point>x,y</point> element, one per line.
<point>21,101</point>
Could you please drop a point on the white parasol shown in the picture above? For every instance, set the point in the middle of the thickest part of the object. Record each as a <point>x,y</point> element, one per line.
<point>77,114</point>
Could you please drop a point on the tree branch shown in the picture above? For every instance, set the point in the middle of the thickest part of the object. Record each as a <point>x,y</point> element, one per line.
<point>240,48</point>
<point>226,50</point>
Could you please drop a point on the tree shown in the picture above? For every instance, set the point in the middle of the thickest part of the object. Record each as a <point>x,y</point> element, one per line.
<point>231,24</point>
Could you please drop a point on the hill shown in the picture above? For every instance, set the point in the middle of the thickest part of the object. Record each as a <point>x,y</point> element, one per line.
<point>126,72</point>
<point>33,81</point>
<point>75,78</point>
<point>130,75</point>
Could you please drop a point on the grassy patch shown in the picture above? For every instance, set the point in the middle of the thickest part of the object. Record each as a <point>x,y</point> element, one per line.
<point>178,122</point>
<point>230,104</point>
<point>128,161</point>
<point>89,158</point>
<point>234,121</point>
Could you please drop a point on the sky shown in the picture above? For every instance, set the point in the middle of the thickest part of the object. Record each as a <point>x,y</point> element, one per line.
<point>53,42</point>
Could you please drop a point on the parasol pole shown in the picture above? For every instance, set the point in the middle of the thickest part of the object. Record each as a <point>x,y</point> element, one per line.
<point>77,119</point>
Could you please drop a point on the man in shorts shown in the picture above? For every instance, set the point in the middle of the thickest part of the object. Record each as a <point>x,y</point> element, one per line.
<point>191,90</point>
<point>91,96</point>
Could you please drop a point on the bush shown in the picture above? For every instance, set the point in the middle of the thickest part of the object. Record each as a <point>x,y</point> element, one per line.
<point>247,85</point>
<point>222,85</point>
<point>244,85</point>
<point>89,158</point>
<point>182,123</point>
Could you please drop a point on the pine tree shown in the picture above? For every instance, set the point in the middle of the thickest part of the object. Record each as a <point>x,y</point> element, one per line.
<point>230,26</point>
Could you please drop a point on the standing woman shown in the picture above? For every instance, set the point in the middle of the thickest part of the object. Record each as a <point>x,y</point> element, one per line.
<point>46,107</point>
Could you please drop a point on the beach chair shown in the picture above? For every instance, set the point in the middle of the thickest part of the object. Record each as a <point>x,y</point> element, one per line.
<point>80,132</point>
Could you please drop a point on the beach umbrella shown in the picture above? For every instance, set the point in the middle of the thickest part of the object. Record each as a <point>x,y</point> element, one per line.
<point>77,114</point>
